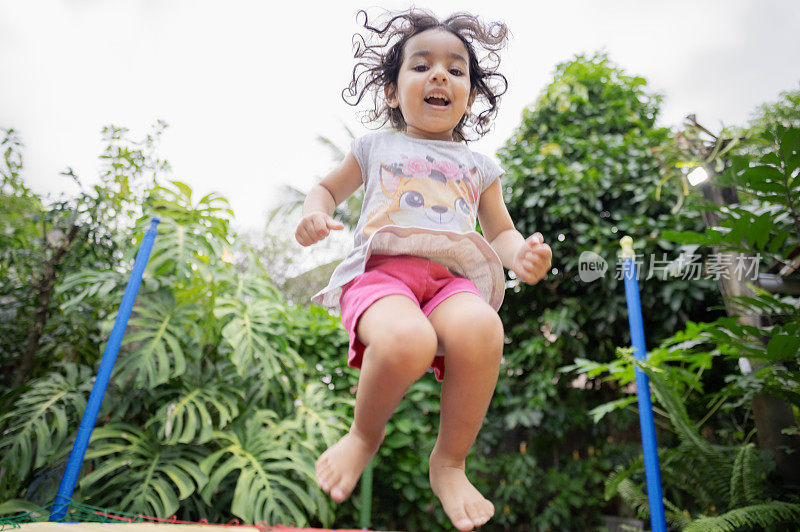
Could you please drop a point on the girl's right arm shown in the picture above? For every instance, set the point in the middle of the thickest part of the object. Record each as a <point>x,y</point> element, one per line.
<point>323,198</point>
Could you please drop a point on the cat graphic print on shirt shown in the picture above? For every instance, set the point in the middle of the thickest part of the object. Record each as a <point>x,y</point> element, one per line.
<point>426,192</point>
<point>421,198</point>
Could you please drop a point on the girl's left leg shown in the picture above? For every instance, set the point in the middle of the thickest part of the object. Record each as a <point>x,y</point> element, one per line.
<point>472,336</point>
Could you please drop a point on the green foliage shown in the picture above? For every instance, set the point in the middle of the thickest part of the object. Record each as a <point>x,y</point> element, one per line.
<point>584,169</point>
<point>216,407</point>
<point>204,400</point>
<point>40,420</point>
<point>46,244</point>
<point>271,469</point>
<point>785,111</point>
<point>402,497</point>
<point>744,482</point>
<point>224,394</point>
<point>767,221</point>
<point>551,494</point>
<point>250,333</point>
<point>699,477</point>
<point>133,470</point>
<point>154,343</point>
<point>758,515</point>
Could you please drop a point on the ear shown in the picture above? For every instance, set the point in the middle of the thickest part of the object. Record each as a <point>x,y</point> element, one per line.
<point>472,96</point>
<point>389,180</point>
<point>389,91</point>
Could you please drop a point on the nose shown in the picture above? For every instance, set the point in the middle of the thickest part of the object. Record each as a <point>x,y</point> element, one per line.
<point>439,73</point>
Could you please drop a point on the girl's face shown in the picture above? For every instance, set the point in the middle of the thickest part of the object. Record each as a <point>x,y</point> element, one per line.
<point>433,86</point>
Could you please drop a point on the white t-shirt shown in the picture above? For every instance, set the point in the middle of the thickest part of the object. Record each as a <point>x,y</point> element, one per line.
<point>421,198</point>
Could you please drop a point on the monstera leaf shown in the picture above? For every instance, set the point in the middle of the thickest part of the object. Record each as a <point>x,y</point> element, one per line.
<point>39,420</point>
<point>180,251</point>
<point>322,423</point>
<point>135,471</point>
<point>267,469</point>
<point>187,412</point>
<point>212,212</point>
<point>105,286</point>
<point>254,328</point>
<point>159,331</point>
<point>191,235</point>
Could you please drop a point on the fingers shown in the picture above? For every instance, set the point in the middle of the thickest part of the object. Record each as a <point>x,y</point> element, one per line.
<point>536,238</point>
<point>333,224</point>
<point>314,227</point>
<point>534,259</point>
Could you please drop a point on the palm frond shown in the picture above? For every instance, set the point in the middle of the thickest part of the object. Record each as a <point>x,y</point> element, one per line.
<point>749,517</point>
<point>155,348</point>
<point>337,153</point>
<point>321,422</point>
<point>38,422</point>
<point>251,329</point>
<point>714,457</point>
<point>103,285</point>
<point>747,482</point>
<point>637,500</point>
<point>182,251</point>
<point>271,474</point>
<point>134,471</point>
<point>202,403</point>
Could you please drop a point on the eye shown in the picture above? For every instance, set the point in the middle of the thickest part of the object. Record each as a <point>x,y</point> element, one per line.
<point>411,200</point>
<point>456,72</point>
<point>420,68</point>
<point>462,206</point>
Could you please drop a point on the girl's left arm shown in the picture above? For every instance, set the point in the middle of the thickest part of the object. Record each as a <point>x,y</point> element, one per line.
<point>530,258</point>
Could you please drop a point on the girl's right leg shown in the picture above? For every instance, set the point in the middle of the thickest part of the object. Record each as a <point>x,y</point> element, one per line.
<point>400,346</point>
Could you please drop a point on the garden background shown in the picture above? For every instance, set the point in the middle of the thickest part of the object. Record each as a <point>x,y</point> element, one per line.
<point>229,385</point>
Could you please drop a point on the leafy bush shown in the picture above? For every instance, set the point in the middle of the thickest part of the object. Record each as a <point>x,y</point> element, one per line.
<point>584,169</point>
<point>727,485</point>
<point>216,407</point>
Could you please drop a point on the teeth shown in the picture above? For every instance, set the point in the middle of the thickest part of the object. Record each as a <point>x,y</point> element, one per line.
<point>440,96</point>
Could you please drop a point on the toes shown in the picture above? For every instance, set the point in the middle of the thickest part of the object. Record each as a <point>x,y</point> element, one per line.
<point>331,480</point>
<point>483,512</point>
<point>326,475</point>
<point>475,512</point>
<point>464,524</point>
<point>471,514</point>
<point>338,495</point>
<point>460,519</point>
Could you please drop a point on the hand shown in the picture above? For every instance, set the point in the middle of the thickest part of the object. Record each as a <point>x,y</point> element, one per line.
<point>314,227</point>
<point>532,261</point>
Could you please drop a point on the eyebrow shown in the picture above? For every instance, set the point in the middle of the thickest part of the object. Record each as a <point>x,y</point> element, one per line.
<point>451,55</point>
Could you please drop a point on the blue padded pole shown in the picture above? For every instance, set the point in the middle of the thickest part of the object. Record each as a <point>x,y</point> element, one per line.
<point>646,423</point>
<point>86,427</point>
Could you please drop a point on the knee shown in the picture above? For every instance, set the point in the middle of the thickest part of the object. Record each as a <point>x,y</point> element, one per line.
<point>479,340</point>
<point>408,347</point>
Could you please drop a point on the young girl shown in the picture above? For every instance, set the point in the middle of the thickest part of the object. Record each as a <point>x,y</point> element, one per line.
<point>421,287</point>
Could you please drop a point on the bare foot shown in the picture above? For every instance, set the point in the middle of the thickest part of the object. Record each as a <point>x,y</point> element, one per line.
<point>462,503</point>
<point>340,467</point>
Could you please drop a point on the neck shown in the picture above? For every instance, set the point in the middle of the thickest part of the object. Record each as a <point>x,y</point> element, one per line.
<point>413,132</point>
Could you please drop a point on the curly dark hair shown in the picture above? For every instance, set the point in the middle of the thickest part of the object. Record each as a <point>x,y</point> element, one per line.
<point>379,64</point>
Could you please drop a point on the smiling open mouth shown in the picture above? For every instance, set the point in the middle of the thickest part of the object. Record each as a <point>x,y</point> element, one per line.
<point>437,100</point>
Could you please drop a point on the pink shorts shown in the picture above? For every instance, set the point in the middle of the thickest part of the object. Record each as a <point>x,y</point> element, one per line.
<point>426,282</point>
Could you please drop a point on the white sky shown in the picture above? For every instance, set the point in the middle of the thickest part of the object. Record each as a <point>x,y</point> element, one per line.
<point>246,86</point>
